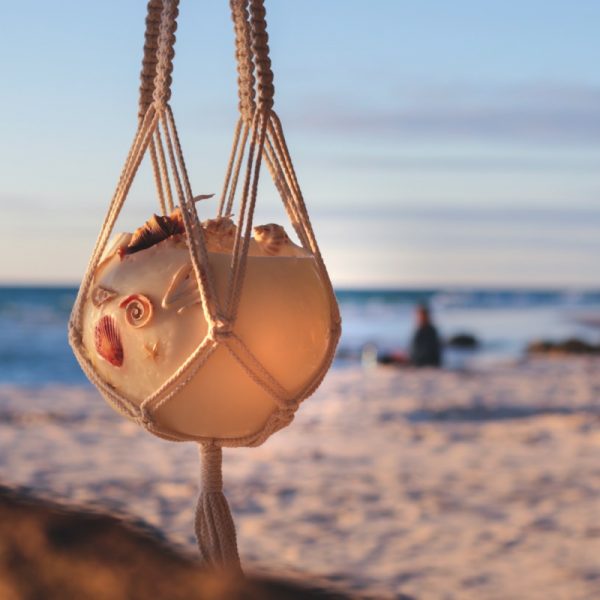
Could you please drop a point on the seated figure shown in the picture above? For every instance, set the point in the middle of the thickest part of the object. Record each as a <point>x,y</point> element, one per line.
<point>425,349</point>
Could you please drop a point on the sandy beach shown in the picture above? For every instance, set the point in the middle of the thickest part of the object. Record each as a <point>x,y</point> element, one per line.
<point>426,483</point>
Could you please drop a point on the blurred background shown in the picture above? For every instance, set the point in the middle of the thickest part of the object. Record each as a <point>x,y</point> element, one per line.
<point>448,153</point>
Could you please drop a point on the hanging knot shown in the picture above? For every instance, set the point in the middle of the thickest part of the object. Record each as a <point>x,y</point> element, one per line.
<point>211,477</point>
<point>287,413</point>
<point>220,330</point>
<point>145,418</point>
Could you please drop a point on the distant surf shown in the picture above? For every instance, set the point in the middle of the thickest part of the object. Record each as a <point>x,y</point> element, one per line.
<point>33,322</point>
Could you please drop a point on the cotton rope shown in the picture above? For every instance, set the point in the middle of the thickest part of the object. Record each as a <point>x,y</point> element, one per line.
<point>258,135</point>
<point>213,523</point>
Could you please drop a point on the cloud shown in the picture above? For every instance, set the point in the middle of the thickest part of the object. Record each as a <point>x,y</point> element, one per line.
<point>462,163</point>
<point>544,113</point>
<point>572,216</point>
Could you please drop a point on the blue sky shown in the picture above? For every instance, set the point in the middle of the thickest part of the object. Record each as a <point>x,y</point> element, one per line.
<point>453,143</point>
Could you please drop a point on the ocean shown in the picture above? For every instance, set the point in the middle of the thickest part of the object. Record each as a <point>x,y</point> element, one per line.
<point>33,325</point>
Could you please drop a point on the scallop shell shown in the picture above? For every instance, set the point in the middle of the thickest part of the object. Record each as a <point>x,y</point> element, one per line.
<point>138,310</point>
<point>183,290</point>
<point>271,238</point>
<point>108,341</point>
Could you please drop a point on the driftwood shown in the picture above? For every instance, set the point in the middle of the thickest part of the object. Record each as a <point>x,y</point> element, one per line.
<point>53,551</point>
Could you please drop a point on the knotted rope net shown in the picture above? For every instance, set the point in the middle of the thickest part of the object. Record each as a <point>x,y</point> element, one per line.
<point>258,136</point>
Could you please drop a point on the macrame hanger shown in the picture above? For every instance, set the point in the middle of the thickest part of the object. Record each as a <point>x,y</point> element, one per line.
<point>258,136</point>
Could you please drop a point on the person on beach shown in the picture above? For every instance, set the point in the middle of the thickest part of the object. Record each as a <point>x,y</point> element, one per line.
<point>425,349</point>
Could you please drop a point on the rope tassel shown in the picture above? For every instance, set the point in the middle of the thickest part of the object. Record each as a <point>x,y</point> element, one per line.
<point>215,530</point>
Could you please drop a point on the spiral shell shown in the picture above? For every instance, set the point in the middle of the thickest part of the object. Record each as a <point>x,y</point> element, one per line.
<point>108,341</point>
<point>138,310</point>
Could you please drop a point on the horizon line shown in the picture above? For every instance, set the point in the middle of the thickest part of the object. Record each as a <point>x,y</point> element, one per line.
<point>381,287</point>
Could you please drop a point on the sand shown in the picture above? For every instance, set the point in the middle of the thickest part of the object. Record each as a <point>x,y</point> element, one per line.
<point>425,483</point>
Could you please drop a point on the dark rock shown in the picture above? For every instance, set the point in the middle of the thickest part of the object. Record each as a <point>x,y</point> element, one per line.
<point>568,346</point>
<point>463,340</point>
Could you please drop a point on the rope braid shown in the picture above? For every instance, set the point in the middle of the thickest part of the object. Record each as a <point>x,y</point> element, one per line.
<point>260,47</point>
<point>150,59</point>
<point>243,56</point>
<point>215,530</point>
<point>165,53</point>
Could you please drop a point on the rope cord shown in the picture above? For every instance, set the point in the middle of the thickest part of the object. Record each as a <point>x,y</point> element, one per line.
<point>150,59</point>
<point>147,76</point>
<point>260,47</point>
<point>165,53</point>
<point>243,55</point>
<point>164,171</point>
<point>246,95</point>
<point>213,523</point>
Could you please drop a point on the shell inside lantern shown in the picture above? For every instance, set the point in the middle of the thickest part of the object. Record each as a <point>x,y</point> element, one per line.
<point>144,317</point>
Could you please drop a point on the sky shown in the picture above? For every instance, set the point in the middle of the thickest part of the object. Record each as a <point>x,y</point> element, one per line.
<point>437,143</point>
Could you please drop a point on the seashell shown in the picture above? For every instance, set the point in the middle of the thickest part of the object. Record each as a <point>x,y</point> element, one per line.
<point>152,350</point>
<point>154,230</point>
<point>183,290</point>
<point>271,238</point>
<point>202,197</point>
<point>219,233</point>
<point>108,341</point>
<point>221,226</point>
<point>138,310</point>
<point>177,220</point>
<point>100,295</point>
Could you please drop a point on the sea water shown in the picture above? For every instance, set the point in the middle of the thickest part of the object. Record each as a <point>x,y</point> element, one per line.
<point>34,348</point>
